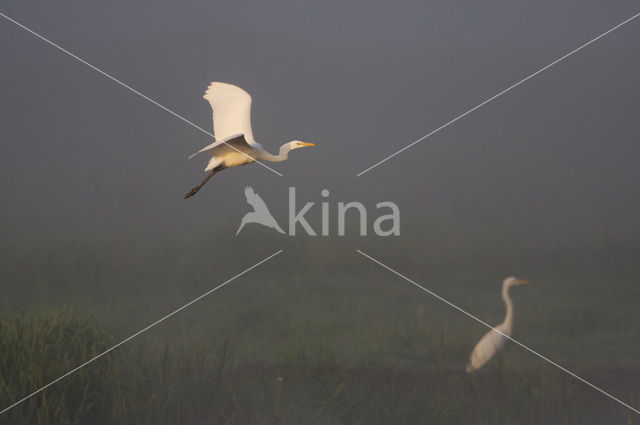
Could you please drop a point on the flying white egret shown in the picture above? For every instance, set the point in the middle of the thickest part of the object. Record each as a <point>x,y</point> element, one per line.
<point>260,213</point>
<point>234,143</point>
<point>494,340</point>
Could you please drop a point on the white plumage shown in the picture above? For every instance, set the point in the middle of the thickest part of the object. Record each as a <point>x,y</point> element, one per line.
<point>231,107</point>
<point>234,143</point>
<point>494,340</point>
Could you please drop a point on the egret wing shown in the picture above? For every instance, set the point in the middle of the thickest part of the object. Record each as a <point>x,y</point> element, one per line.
<point>487,347</point>
<point>231,110</point>
<point>237,141</point>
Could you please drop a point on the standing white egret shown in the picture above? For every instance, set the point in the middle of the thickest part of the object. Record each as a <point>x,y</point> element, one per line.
<point>493,341</point>
<point>234,143</point>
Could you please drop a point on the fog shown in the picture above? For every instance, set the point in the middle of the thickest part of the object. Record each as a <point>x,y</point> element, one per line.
<point>541,182</point>
<point>361,81</point>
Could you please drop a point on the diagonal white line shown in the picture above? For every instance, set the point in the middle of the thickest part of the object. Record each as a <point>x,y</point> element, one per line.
<point>499,94</point>
<point>114,79</point>
<point>496,330</point>
<point>139,332</point>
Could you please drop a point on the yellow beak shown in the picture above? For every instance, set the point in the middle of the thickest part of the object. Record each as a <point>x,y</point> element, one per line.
<point>522,282</point>
<point>307,144</point>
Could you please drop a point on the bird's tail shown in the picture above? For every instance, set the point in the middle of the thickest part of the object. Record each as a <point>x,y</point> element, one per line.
<point>197,188</point>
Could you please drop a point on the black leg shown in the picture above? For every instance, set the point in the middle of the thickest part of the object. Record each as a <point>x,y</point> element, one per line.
<point>197,188</point>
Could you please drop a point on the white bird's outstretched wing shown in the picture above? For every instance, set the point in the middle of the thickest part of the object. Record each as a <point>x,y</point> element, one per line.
<point>236,143</point>
<point>231,111</point>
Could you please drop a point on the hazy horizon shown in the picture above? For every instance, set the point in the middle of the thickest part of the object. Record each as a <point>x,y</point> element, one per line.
<point>541,183</point>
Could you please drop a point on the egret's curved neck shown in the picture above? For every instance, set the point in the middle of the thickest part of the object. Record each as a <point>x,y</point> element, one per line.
<point>282,156</point>
<point>508,318</point>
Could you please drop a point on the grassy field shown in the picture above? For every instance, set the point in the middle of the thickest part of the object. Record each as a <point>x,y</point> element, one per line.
<point>319,335</point>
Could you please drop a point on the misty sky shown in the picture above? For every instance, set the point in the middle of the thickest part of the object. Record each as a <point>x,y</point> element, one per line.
<point>361,80</point>
<point>542,182</point>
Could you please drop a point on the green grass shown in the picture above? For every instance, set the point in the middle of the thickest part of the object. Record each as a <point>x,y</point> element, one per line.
<point>187,380</point>
<point>318,336</point>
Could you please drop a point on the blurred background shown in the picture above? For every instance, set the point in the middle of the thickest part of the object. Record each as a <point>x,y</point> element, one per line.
<point>541,183</point>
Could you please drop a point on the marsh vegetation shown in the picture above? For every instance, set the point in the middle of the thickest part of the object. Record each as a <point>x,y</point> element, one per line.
<point>316,337</point>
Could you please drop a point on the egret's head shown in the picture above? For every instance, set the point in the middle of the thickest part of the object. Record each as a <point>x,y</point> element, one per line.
<point>511,281</point>
<point>296,144</point>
